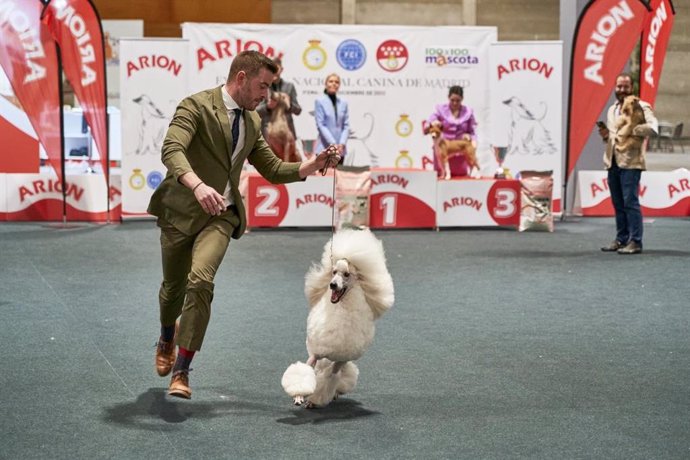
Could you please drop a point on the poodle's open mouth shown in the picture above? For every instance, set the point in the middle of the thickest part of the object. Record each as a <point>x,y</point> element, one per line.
<point>337,294</point>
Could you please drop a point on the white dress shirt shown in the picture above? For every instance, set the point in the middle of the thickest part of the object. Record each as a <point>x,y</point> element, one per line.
<point>230,105</point>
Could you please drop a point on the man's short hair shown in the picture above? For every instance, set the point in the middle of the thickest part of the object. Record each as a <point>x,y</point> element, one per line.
<point>251,62</point>
<point>626,75</point>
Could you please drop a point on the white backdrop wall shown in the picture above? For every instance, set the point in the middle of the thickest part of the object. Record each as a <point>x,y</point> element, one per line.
<point>114,30</point>
<point>392,78</point>
<point>153,79</point>
<point>526,108</point>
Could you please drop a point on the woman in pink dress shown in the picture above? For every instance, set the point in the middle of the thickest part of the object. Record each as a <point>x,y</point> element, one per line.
<point>458,123</point>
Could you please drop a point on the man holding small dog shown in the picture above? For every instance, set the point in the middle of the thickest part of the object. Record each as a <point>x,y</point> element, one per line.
<point>625,166</point>
<point>198,204</point>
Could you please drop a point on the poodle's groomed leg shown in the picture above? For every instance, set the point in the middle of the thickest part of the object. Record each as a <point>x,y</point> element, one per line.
<point>326,387</point>
<point>336,368</point>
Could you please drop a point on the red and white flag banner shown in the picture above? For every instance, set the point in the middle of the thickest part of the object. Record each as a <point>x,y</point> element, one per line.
<point>76,27</point>
<point>29,58</point>
<point>655,37</point>
<point>606,34</point>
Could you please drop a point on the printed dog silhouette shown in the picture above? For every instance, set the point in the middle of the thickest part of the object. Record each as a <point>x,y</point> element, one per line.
<point>527,134</point>
<point>153,126</point>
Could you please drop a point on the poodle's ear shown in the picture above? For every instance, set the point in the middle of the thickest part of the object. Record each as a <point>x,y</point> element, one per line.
<point>316,283</point>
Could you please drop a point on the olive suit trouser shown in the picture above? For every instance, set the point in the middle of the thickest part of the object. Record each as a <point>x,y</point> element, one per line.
<point>190,263</point>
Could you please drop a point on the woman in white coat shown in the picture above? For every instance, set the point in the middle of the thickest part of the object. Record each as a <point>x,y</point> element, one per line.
<point>332,118</point>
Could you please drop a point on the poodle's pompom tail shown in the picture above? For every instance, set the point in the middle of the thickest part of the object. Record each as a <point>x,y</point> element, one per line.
<point>299,379</point>
<point>348,378</point>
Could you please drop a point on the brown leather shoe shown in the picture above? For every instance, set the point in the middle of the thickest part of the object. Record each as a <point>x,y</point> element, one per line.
<point>179,385</point>
<point>165,354</point>
<point>613,247</point>
<point>631,248</point>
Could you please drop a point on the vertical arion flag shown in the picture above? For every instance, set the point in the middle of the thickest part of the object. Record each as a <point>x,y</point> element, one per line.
<point>76,28</point>
<point>29,58</point>
<point>655,37</point>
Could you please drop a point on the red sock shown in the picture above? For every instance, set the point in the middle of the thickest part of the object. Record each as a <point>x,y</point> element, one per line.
<point>184,359</point>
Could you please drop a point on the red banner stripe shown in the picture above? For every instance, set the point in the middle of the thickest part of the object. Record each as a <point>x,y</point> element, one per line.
<point>655,37</point>
<point>29,58</point>
<point>76,27</point>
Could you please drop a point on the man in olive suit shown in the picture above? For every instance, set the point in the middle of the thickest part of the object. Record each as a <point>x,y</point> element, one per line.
<point>198,204</point>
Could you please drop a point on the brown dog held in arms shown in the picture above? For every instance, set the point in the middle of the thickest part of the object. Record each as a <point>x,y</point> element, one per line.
<point>444,149</point>
<point>278,134</point>
<point>631,115</point>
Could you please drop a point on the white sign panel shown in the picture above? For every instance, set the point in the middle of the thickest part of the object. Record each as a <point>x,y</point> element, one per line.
<point>478,203</point>
<point>153,80</point>
<point>39,197</point>
<point>392,77</point>
<point>526,109</point>
<point>662,193</point>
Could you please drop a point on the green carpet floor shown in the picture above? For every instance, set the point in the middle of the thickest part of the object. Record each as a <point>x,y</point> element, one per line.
<point>500,345</point>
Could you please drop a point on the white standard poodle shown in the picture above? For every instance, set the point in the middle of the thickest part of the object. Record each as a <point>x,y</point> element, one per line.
<point>347,292</point>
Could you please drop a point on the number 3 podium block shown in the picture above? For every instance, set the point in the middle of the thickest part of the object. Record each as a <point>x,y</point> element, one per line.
<point>478,203</point>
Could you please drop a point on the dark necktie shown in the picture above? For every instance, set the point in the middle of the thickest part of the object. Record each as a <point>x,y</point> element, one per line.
<point>235,129</point>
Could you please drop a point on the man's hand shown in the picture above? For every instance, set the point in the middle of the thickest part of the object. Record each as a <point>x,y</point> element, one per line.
<point>211,201</point>
<point>329,157</point>
<point>604,132</point>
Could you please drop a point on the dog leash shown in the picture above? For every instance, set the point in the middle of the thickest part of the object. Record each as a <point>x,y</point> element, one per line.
<point>325,170</point>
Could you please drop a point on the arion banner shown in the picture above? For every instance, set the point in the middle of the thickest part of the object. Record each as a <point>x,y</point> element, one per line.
<point>28,57</point>
<point>76,28</point>
<point>655,37</point>
<point>153,80</point>
<point>527,124</point>
<point>606,35</point>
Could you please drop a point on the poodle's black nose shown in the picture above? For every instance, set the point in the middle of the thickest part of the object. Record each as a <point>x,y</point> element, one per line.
<point>334,286</point>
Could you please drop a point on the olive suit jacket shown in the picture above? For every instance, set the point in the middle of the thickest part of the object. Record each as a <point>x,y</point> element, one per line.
<point>199,139</point>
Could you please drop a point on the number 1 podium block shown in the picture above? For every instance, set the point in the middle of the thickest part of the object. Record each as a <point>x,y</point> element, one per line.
<point>402,198</point>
